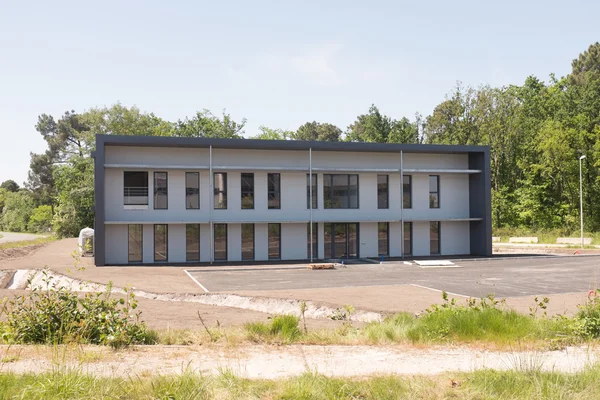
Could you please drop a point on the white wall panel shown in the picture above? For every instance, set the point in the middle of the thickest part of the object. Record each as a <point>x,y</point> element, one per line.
<point>368,239</point>
<point>421,238</point>
<point>293,241</point>
<point>177,243</point>
<point>116,244</point>
<point>455,238</point>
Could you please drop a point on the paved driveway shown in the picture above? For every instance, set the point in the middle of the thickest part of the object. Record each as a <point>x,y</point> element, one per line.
<point>17,237</point>
<point>505,278</point>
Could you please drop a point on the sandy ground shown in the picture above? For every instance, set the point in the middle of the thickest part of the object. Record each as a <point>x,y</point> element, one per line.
<point>272,362</point>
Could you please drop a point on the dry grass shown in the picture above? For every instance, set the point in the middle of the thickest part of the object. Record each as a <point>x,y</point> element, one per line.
<point>27,243</point>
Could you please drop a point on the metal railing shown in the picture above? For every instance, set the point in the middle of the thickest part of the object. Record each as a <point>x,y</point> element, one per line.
<point>135,196</point>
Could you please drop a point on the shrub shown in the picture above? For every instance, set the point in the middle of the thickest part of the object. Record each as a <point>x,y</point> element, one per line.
<point>57,315</point>
<point>41,219</point>
<point>282,328</point>
<point>589,316</point>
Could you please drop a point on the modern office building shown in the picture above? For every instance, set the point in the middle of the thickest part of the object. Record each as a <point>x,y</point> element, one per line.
<point>167,200</point>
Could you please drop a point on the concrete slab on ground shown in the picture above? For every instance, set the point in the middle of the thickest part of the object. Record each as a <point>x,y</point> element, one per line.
<point>505,278</point>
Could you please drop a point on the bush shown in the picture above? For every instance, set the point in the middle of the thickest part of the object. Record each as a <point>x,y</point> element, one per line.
<point>17,209</point>
<point>589,316</point>
<point>57,315</point>
<point>41,219</point>
<point>282,328</point>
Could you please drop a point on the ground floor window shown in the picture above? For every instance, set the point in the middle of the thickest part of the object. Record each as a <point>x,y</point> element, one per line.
<point>161,247</point>
<point>341,240</point>
<point>274,241</point>
<point>314,241</point>
<point>192,242</point>
<point>383,238</point>
<point>434,238</point>
<point>220,240</point>
<point>407,250</point>
<point>134,242</point>
<point>247,241</point>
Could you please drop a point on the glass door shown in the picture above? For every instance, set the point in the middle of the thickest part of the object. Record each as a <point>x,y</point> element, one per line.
<point>341,240</point>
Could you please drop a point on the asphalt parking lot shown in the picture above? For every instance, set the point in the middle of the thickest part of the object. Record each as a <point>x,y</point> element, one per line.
<point>477,278</point>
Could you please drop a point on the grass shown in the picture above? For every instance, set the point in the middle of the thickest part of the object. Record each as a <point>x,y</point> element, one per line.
<point>26,243</point>
<point>483,384</point>
<point>544,236</point>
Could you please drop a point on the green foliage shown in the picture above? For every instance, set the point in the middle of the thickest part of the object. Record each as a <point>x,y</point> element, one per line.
<point>57,315</point>
<point>272,134</point>
<point>377,127</point>
<point>17,210</point>
<point>589,315</point>
<point>318,131</point>
<point>74,182</point>
<point>206,124</point>
<point>41,219</point>
<point>10,185</point>
<point>281,329</point>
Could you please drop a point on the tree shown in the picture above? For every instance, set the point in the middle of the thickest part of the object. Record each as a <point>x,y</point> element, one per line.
<point>10,185</point>
<point>318,131</point>
<point>273,134</point>
<point>18,207</point>
<point>205,124</point>
<point>379,128</point>
<point>121,120</point>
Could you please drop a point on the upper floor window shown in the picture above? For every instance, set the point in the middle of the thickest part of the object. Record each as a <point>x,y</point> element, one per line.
<point>382,191</point>
<point>407,191</point>
<point>434,191</point>
<point>340,190</point>
<point>314,191</point>
<point>274,190</point>
<point>135,188</point>
<point>247,191</point>
<point>220,190</point>
<point>161,191</point>
<point>192,190</point>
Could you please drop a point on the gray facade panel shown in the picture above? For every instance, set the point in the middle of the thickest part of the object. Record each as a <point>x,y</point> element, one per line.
<point>480,204</point>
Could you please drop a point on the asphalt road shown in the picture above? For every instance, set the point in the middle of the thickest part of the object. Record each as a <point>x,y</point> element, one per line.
<point>17,237</point>
<point>477,278</point>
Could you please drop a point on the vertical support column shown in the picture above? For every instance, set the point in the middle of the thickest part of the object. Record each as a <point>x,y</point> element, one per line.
<point>211,199</point>
<point>99,236</point>
<point>401,205</point>
<point>310,201</point>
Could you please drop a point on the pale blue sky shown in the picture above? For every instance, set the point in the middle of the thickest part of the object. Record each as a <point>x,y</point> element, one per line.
<point>276,63</point>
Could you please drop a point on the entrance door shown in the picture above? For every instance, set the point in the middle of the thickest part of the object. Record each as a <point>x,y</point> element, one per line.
<point>341,240</point>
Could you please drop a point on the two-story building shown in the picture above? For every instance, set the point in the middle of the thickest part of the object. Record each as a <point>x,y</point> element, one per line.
<point>167,200</point>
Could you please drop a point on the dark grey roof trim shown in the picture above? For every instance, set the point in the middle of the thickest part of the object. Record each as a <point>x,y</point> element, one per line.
<point>169,141</point>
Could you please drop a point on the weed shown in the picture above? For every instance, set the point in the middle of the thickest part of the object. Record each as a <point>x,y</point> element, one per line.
<point>589,315</point>
<point>282,329</point>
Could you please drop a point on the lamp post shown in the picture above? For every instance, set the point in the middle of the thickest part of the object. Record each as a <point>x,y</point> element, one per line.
<point>581,199</point>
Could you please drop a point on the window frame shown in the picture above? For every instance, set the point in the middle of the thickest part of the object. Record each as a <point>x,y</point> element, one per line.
<point>387,192</point>
<point>186,190</point>
<point>166,259</point>
<point>436,193</point>
<point>315,192</point>
<point>242,198</point>
<point>129,260</point>
<point>226,243</point>
<point>217,192</point>
<point>154,189</point>
<point>439,238</point>
<point>387,239</point>
<point>332,190</point>
<point>410,239</point>
<point>269,241</point>
<point>315,241</point>
<point>187,252</point>
<point>277,192</point>
<point>147,187</point>
<point>409,191</point>
<point>253,241</point>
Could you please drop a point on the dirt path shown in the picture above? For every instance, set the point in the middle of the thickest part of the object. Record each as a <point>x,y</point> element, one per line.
<point>17,237</point>
<point>271,362</point>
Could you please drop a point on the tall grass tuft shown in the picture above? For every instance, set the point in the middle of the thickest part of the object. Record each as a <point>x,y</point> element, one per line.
<point>281,328</point>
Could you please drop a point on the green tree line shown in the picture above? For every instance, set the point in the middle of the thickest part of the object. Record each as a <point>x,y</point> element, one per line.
<point>537,132</point>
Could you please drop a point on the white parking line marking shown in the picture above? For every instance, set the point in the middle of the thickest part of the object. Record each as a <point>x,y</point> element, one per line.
<point>437,290</point>
<point>195,280</point>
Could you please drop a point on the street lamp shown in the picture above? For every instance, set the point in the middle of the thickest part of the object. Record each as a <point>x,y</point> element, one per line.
<point>581,199</point>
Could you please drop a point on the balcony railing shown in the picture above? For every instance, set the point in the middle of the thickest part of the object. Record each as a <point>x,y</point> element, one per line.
<point>136,196</point>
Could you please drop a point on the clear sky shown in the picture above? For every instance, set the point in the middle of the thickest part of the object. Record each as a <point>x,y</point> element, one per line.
<point>276,63</point>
